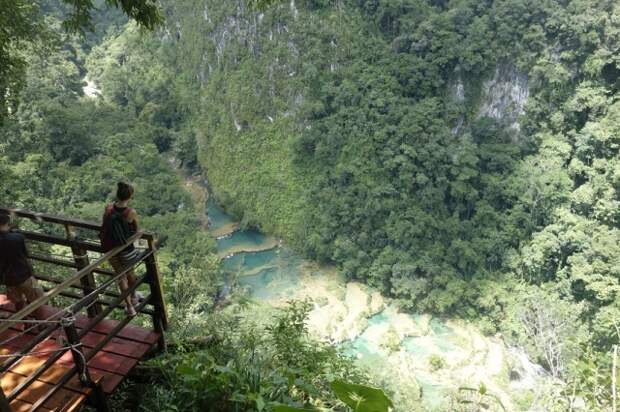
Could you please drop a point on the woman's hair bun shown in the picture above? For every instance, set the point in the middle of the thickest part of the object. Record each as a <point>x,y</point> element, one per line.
<point>124,191</point>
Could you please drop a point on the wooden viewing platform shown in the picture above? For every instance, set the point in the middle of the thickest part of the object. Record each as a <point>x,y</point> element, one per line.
<point>86,346</point>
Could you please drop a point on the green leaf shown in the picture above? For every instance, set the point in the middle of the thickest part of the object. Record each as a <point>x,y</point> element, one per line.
<point>362,398</point>
<point>260,403</point>
<point>186,370</point>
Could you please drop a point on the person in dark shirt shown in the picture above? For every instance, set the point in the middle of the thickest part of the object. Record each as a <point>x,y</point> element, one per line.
<point>15,269</point>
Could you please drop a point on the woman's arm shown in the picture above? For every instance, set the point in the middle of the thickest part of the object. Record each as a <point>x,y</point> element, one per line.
<point>132,218</point>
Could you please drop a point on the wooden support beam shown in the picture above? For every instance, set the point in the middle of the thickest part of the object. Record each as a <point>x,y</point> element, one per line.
<point>80,257</point>
<point>100,399</point>
<point>4,403</point>
<point>160,318</point>
<point>66,263</point>
<point>68,325</point>
<point>56,240</point>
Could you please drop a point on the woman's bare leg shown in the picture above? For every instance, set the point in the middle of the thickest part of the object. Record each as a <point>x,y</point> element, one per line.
<point>124,285</point>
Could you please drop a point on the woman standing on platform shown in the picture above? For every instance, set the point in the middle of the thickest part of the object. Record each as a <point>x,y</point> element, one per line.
<point>120,222</point>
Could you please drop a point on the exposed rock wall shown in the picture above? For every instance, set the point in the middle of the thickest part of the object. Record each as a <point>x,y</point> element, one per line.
<point>504,96</point>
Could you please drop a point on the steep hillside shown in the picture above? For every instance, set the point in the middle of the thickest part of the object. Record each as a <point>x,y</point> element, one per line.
<point>461,156</point>
<point>63,150</point>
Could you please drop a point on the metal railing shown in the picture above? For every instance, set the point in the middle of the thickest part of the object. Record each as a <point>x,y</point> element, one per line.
<point>97,298</point>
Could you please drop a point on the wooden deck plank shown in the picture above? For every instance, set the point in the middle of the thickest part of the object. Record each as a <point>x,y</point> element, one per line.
<point>38,389</point>
<point>119,346</point>
<point>130,332</point>
<point>109,381</point>
<point>103,360</point>
<point>113,363</point>
<point>8,308</point>
<point>109,366</point>
<point>41,350</point>
<point>111,377</point>
<point>29,365</point>
<point>21,406</point>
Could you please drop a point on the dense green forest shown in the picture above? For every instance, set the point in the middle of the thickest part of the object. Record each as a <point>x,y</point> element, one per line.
<point>460,156</point>
<point>62,152</point>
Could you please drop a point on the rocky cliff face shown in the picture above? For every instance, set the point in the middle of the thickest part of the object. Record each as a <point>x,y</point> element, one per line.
<point>504,96</point>
<point>225,38</point>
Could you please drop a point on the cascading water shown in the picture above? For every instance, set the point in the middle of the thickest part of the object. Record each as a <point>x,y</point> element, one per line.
<point>399,349</point>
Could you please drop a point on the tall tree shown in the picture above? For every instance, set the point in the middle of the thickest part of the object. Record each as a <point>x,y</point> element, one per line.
<point>24,27</point>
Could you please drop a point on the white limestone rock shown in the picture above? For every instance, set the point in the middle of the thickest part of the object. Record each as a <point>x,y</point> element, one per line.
<point>504,96</point>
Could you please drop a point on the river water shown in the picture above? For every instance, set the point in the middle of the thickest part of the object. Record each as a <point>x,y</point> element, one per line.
<point>419,358</point>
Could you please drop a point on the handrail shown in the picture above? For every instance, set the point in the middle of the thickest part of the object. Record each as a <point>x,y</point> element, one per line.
<point>81,334</point>
<point>45,217</point>
<point>62,286</point>
<point>82,279</point>
<point>65,378</point>
<point>63,220</point>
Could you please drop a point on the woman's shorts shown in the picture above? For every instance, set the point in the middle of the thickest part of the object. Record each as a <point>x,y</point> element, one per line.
<point>26,292</point>
<point>120,263</point>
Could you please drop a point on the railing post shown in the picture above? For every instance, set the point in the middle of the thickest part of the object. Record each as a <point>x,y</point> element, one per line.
<point>160,318</point>
<point>68,324</point>
<point>4,403</point>
<point>98,395</point>
<point>80,257</point>
<point>100,399</point>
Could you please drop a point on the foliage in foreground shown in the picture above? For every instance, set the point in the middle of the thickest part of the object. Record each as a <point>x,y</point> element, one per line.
<point>26,27</point>
<point>245,367</point>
